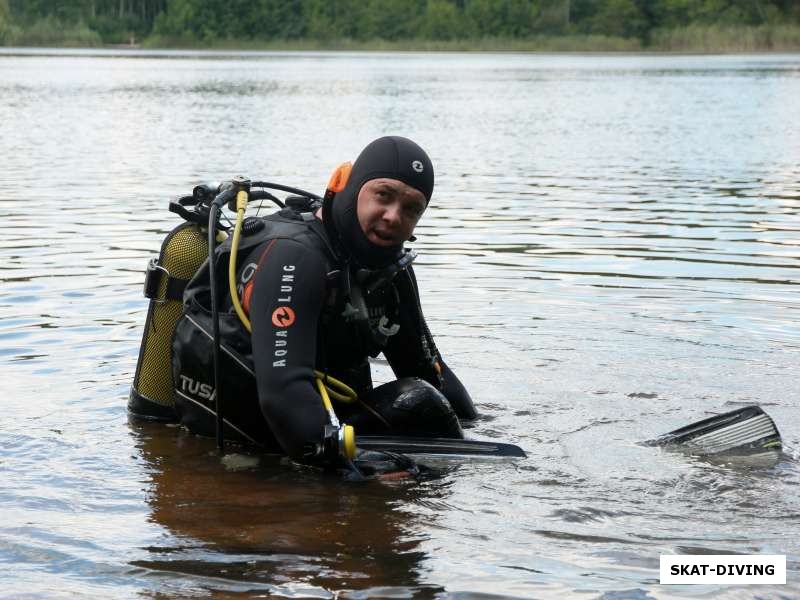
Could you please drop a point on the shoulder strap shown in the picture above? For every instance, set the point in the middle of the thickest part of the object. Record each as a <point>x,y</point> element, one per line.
<point>318,228</point>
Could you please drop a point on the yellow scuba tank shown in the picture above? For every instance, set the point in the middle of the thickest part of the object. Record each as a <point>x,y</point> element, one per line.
<point>182,253</point>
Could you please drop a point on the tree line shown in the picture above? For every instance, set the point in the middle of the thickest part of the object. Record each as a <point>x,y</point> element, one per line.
<point>214,21</point>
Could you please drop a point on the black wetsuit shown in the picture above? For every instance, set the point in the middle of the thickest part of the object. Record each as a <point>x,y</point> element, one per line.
<point>319,297</point>
<point>290,285</point>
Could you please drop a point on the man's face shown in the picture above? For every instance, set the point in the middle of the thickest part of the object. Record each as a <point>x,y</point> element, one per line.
<point>388,211</point>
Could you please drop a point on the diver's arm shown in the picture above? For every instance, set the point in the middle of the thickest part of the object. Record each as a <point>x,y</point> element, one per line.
<point>285,304</point>
<point>411,352</point>
<point>456,393</point>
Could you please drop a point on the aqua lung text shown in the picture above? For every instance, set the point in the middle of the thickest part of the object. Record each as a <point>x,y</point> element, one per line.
<point>287,284</point>
<point>281,318</point>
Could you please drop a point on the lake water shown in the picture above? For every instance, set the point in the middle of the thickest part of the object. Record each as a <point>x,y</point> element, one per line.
<point>611,253</point>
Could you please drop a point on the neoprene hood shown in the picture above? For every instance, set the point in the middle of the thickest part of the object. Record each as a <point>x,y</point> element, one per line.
<point>392,157</point>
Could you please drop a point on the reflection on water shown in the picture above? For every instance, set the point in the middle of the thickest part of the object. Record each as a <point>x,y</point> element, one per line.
<point>611,252</point>
<point>269,527</point>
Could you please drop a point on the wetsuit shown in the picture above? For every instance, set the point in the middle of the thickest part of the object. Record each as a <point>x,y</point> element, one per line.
<point>299,280</point>
<point>295,303</point>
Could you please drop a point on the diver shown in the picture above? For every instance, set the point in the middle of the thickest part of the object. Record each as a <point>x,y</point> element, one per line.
<point>325,287</point>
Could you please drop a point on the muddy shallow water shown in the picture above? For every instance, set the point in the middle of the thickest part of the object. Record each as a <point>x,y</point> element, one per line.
<point>611,252</point>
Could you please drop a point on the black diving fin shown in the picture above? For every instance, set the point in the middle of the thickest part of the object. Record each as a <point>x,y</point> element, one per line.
<point>744,431</point>
<point>439,446</point>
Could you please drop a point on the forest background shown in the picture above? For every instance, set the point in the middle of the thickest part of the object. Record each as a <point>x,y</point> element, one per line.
<point>546,25</point>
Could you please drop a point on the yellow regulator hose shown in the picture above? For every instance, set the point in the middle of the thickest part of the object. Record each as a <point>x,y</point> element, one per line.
<point>329,387</point>
<point>241,206</point>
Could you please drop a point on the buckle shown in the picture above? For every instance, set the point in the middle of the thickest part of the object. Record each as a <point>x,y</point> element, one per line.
<point>152,280</point>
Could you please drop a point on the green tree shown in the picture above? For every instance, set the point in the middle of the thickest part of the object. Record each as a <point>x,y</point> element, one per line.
<point>192,19</point>
<point>681,13</point>
<point>619,18</point>
<point>5,21</point>
<point>444,21</point>
<point>391,19</point>
<point>212,20</point>
<point>552,16</point>
<point>503,18</point>
<point>335,19</point>
<point>320,19</point>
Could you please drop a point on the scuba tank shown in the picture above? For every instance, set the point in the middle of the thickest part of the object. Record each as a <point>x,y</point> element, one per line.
<point>182,253</point>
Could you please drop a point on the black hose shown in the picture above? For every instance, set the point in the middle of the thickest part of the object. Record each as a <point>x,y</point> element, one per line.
<point>212,239</point>
<point>264,195</point>
<point>285,188</point>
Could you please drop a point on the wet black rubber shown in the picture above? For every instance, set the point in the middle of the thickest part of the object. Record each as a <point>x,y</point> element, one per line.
<point>746,430</point>
<point>439,446</point>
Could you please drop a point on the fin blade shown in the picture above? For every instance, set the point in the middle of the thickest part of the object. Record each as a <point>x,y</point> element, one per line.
<point>743,430</point>
<point>439,446</point>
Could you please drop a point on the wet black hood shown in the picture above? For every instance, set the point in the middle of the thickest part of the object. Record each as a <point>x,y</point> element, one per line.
<point>391,157</point>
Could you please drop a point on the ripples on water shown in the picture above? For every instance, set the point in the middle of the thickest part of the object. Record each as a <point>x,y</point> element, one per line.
<point>611,253</point>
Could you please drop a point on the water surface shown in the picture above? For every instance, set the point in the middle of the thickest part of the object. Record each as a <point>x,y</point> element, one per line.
<point>611,252</point>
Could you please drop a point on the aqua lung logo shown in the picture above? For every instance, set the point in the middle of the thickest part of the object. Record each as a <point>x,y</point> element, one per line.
<point>417,166</point>
<point>283,317</point>
<point>195,388</point>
